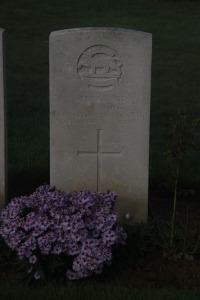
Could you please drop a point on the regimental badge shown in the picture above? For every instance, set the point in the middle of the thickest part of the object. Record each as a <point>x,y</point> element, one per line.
<point>100,68</point>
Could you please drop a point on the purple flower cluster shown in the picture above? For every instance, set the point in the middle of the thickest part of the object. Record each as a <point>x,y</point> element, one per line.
<point>80,224</point>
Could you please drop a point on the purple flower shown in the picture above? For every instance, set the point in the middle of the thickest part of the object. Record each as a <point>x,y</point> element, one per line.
<point>32,259</point>
<point>79,224</point>
<point>36,275</point>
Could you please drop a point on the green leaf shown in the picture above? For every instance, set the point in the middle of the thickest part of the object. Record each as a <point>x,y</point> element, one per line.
<point>188,257</point>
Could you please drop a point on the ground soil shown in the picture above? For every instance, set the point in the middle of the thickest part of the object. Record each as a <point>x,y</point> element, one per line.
<point>156,270</point>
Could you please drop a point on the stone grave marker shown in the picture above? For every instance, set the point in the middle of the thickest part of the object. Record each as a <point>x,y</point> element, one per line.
<point>99,114</point>
<point>2,124</point>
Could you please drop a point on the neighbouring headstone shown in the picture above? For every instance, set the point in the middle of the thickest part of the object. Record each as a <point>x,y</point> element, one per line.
<point>2,124</point>
<point>99,114</point>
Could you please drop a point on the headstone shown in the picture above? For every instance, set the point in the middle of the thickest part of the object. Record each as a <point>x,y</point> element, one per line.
<point>99,114</point>
<point>2,125</point>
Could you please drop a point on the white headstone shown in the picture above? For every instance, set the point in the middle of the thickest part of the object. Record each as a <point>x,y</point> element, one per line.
<point>99,114</point>
<point>2,125</point>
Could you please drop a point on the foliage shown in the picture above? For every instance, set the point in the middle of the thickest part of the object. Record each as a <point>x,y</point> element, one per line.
<point>138,245</point>
<point>185,241</point>
<point>50,227</point>
<point>99,291</point>
<point>181,140</point>
<point>181,137</point>
<point>172,238</point>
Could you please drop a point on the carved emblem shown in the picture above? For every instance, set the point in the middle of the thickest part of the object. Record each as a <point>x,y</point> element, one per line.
<point>99,67</point>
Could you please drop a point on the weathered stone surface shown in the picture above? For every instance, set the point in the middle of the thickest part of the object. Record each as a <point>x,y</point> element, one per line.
<point>99,114</point>
<point>2,125</point>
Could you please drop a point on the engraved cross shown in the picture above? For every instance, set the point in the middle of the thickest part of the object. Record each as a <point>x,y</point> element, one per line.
<point>99,153</point>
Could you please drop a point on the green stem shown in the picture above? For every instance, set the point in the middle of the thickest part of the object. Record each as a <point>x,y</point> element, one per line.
<point>174,204</point>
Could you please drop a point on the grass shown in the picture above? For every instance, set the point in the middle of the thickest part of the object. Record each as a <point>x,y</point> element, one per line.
<point>99,292</point>
<point>175,73</point>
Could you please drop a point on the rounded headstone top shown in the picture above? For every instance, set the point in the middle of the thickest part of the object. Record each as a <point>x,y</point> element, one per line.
<point>100,29</point>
